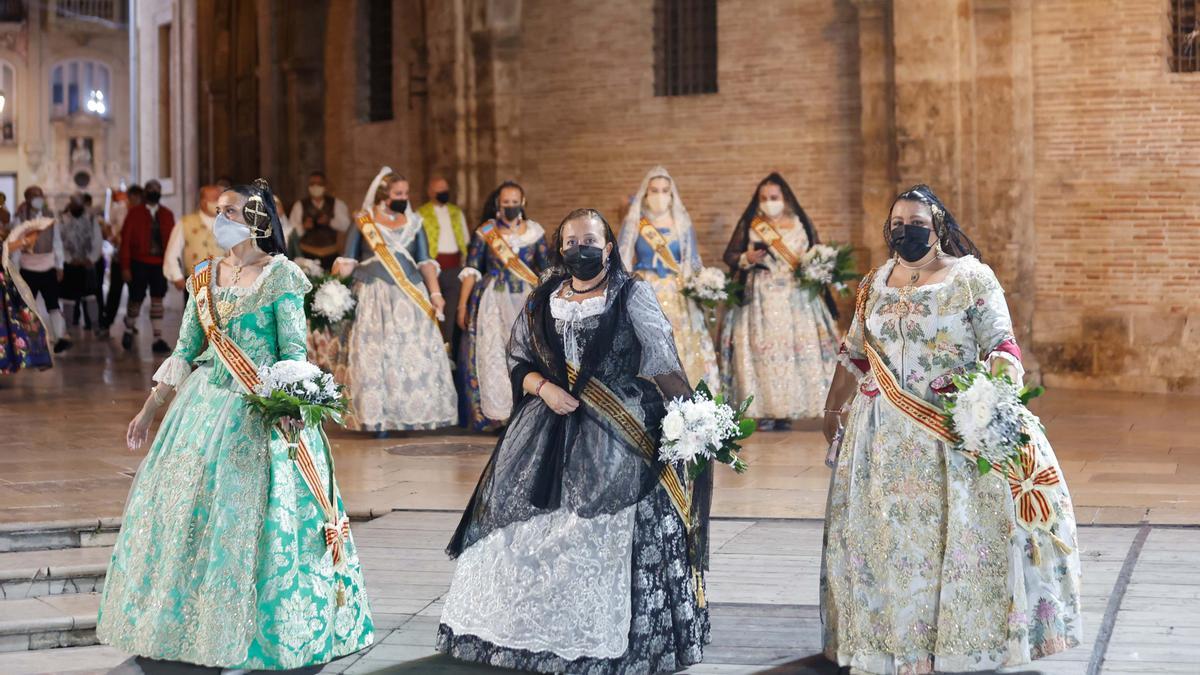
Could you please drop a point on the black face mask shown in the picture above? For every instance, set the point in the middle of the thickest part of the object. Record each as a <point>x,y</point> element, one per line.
<point>512,213</point>
<point>152,197</point>
<point>398,205</point>
<point>911,242</point>
<point>443,197</point>
<point>584,262</point>
<point>76,211</point>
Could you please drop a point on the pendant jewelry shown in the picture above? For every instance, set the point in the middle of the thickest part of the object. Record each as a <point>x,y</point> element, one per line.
<point>225,306</point>
<point>572,291</point>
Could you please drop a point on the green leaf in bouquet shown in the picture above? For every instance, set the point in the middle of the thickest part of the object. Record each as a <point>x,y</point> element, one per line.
<point>746,428</point>
<point>984,465</point>
<point>694,471</point>
<point>1028,395</point>
<point>741,411</point>
<point>312,414</point>
<point>702,388</point>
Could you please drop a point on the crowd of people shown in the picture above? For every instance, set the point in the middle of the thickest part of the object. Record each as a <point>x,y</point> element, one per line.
<point>580,550</point>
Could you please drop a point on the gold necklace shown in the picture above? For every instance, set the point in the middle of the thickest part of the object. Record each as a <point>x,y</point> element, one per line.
<point>916,269</point>
<point>225,305</point>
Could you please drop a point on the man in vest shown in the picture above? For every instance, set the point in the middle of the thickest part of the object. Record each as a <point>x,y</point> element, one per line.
<point>42,266</point>
<point>192,240</point>
<point>446,231</point>
<point>144,238</point>
<point>319,223</point>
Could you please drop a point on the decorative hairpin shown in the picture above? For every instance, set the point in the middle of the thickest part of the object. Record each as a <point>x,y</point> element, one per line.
<point>255,212</point>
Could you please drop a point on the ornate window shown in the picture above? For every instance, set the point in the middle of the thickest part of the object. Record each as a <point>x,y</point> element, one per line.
<point>8,103</point>
<point>80,86</point>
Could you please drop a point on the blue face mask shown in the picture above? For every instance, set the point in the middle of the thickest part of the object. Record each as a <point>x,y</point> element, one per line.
<point>228,233</point>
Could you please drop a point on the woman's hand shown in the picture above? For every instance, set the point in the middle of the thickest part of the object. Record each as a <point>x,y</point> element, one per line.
<point>290,424</point>
<point>830,426</point>
<point>462,317</point>
<point>558,399</point>
<point>439,303</point>
<point>344,267</point>
<point>139,427</point>
<point>756,256</point>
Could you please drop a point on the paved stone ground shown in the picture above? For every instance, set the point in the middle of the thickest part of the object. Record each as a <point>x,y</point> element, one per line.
<point>1142,604</point>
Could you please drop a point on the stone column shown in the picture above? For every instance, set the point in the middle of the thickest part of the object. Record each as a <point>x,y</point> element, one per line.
<point>875,68</point>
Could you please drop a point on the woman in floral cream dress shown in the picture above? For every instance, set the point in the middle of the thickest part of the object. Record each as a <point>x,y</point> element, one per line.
<point>929,565</point>
<point>222,559</point>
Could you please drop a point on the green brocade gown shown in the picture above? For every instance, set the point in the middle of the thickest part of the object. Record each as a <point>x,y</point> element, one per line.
<point>221,559</point>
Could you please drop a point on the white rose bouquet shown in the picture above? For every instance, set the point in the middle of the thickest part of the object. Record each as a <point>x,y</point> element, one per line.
<point>709,287</point>
<point>330,302</point>
<point>704,428</point>
<point>989,414</point>
<point>297,390</point>
<point>824,265</point>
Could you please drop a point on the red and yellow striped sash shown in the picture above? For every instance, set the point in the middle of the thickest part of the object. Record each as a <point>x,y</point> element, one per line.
<point>335,529</point>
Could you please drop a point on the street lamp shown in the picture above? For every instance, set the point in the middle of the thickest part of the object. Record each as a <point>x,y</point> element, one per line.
<point>95,103</point>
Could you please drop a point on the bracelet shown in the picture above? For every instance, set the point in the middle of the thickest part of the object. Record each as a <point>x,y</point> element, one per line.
<point>537,391</point>
<point>839,411</point>
<point>157,400</point>
<point>436,294</point>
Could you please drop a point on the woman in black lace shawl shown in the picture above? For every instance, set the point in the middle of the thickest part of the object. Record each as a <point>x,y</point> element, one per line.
<point>780,344</point>
<point>579,551</point>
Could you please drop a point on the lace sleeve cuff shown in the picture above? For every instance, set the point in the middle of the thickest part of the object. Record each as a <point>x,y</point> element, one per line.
<point>173,372</point>
<point>1015,361</point>
<point>857,367</point>
<point>469,272</point>
<point>437,267</point>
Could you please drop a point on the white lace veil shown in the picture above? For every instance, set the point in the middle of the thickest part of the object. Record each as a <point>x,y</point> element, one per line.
<point>627,239</point>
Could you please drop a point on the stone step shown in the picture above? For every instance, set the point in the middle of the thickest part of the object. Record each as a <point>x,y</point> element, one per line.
<point>48,622</point>
<point>58,534</point>
<point>31,574</point>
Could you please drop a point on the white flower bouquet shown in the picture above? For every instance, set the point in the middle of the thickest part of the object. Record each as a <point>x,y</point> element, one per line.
<point>330,302</point>
<point>709,287</point>
<point>311,268</point>
<point>704,428</point>
<point>824,265</point>
<point>297,390</point>
<point>989,414</point>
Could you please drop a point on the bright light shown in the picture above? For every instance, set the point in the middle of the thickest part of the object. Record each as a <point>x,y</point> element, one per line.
<point>3,102</point>
<point>95,103</point>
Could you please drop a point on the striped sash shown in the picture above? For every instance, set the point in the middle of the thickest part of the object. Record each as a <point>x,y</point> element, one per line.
<point>335,528</point>
<point>660,245</point>
<point>604,401</point>
<point>771,236</point>
<point>508,257</point>
<point>370,232</point>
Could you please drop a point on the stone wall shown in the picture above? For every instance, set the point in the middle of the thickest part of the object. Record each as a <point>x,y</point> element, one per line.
<point>1118,199</point>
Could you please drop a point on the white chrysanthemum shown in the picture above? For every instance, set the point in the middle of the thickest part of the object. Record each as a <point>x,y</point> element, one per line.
<point>709,284</point>
<point>333,300</point>
<point>818,263</point>
<point>695,428</point>
<point>989,418</point>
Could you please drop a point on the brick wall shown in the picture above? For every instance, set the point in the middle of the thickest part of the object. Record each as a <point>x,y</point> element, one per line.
<point>1117,152</point>
<point>590,126</point>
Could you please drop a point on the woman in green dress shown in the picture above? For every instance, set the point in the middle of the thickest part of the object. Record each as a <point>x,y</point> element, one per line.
<point>222,560</point>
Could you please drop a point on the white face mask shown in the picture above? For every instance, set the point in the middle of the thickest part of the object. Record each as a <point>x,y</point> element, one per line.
<point>37,203</point>
<point>658,202</point>
<point>316,191</point>
<point>771,208</point>
<point>228,233</point>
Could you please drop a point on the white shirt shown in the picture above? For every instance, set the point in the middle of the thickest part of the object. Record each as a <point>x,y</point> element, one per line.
<point>340,221</point>
<point>42,262</point>
<point>446,242</point>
